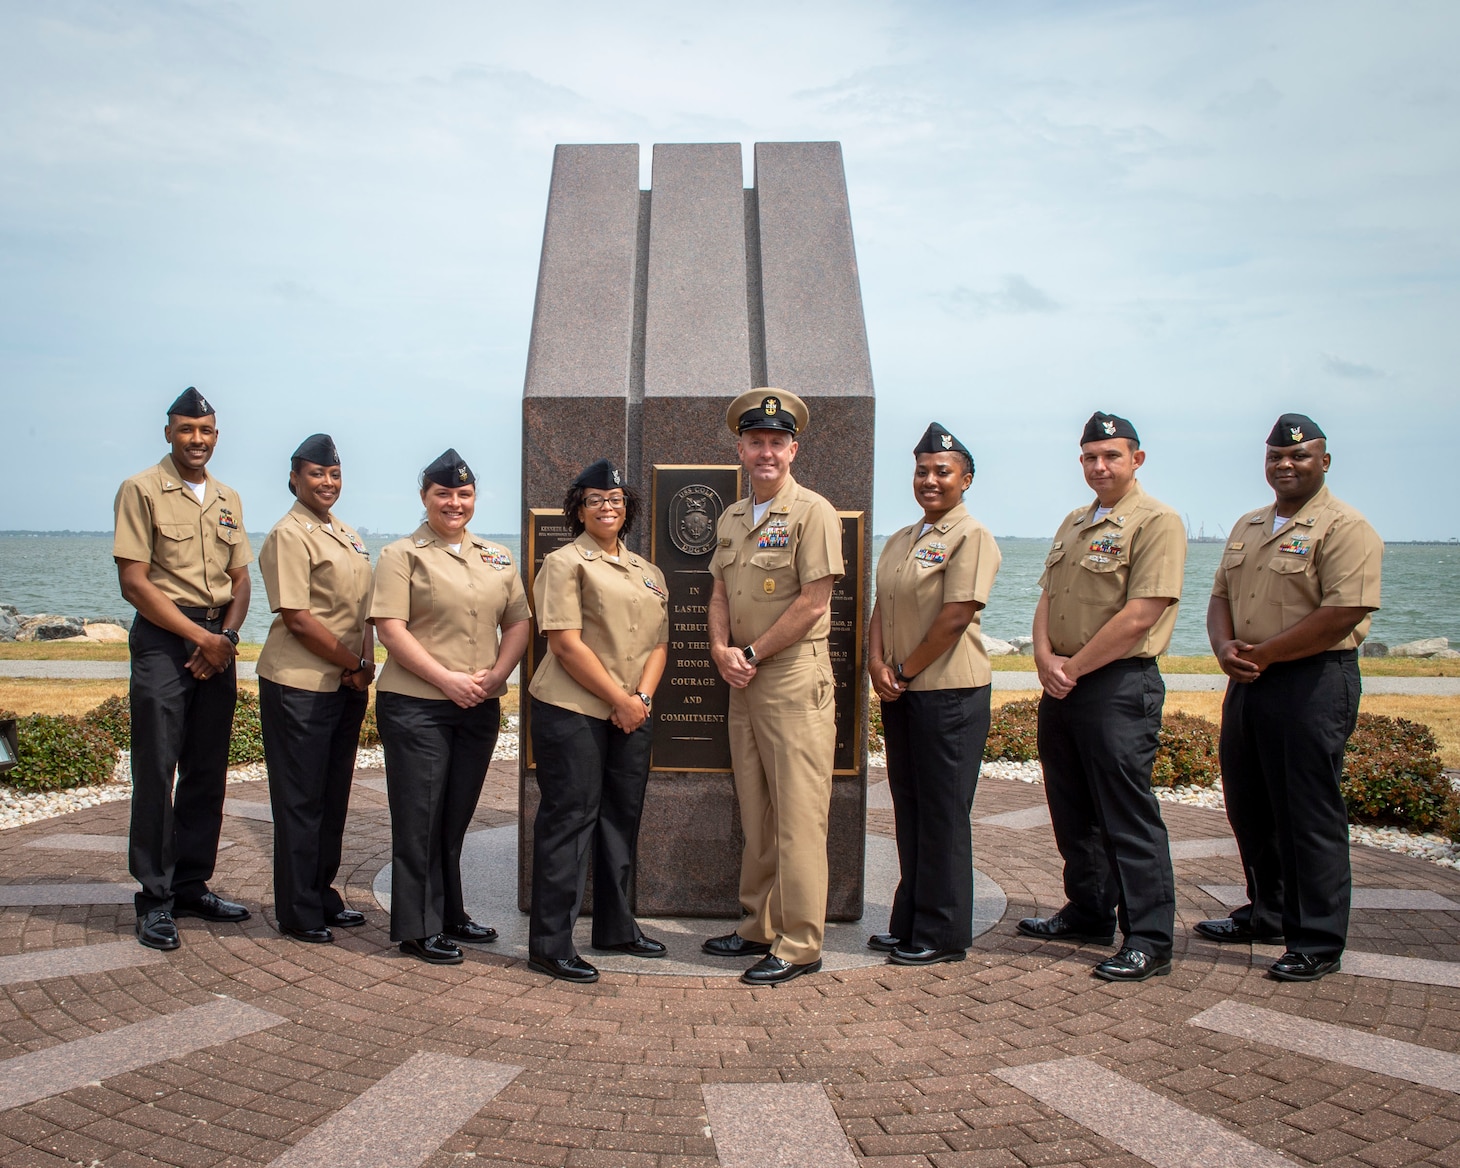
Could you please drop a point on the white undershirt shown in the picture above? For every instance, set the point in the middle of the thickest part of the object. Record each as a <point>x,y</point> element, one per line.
<point>758,511</point>
<point>612,559</point>
<point>1102,512</point>
<point>198,489</point>
<point>1277,522</point>
<point>456,547</point>
<point>927,527</point>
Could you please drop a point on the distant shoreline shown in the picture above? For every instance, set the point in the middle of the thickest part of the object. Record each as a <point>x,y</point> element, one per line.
<point>501,535</point>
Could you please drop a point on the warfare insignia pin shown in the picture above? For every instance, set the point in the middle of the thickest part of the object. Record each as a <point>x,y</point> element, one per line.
<point>497,559</point>
<point>947,441</point>
<point>769,586</point>
<point>1108,427</point>
<point>1296,432</point>
<point>770,406</point>
<point>653,586</point>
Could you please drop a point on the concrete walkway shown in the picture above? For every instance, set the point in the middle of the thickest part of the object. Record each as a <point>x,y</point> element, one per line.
<point>1004,679</point>
<point>245,1048</point>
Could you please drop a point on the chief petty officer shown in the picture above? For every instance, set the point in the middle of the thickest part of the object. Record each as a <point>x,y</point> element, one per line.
<point>605,613</point>
<point>314,683</point>
<point>451,610</point>
<point>778,553</point>
<point>1110,588</point>
<point>182,558</point>
<point>1291,604</point>
<point>929,668</point>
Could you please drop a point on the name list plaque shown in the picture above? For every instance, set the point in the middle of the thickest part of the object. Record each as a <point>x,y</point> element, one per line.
<point>844,644</point>
<point>692,703</point>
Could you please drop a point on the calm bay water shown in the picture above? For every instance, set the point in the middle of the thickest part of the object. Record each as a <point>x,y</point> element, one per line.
<point>74,575</point>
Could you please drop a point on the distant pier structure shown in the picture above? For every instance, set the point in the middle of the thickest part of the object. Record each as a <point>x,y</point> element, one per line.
<point>654,309</point>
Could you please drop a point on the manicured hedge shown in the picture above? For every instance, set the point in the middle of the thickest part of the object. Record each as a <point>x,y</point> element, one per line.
<point>1392,774</point>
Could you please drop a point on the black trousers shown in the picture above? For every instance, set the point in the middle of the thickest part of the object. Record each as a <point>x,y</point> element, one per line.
<point>591,778</point>
<point>1283,738</point>
<point>310,740</point>
<point>181,726</point>
<point>935,741</point>
<point>436,756</point>
<point>1097,746</point>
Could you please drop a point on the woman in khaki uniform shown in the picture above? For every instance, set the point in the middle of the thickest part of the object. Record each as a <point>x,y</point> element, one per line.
<point>451,610</point>
<point>605,612</point>
<point>314,683</point>
<point>928,666</point>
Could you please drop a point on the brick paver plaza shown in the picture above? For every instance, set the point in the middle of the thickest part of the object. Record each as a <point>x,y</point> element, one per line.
<point>244,1048</point>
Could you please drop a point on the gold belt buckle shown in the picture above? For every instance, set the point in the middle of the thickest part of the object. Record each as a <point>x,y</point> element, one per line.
<point>213,613</point>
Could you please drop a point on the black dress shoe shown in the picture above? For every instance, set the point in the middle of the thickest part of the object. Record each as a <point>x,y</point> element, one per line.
<point>1056,928</point>
<point>346,918</point>
<point>640,946</point>
<point>470,932</point>
<point>435,950</point>
<point>734,945</point>
<point>1226,931</point>
<point>565,968</point>
<point>1132,965</point>
<point>1303,966</point>
<point>772,970</point>
<point>910,956</point>
<point>883,942</point>
<point>211,907</point>
<point>156,930</point>
<point>320,936</point>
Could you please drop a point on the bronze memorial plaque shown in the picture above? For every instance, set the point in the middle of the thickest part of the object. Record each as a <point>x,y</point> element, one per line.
<point>844,646</point>
<point>692,702</point>
<point>547,530</point>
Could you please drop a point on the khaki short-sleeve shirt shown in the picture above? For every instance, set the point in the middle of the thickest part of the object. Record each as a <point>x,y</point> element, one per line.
<point>1325,556</point>
<point>325,571</point>
<point>763,565</point>
<point>189,546</point>
<point>622,609</point>
<point>454,603</point>
<point>919,572</point>
<point>1095,565</point>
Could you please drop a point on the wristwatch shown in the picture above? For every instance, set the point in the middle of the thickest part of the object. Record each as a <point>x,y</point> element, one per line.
<point>232,635</point>
<point>647,700</point>
<point>749,654</point>
<point>901,676</point>
<point>364,664</point>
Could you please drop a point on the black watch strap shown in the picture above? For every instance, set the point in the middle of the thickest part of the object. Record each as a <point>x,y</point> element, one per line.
<point>232,635</point>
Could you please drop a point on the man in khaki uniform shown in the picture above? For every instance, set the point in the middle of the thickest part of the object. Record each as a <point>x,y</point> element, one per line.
<point>182,558</point>
<point>1290,606</point>
<point>778,554</point>
<point>1110,588</point>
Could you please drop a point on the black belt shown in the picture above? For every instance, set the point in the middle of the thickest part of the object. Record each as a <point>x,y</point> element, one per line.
<point>200,614</point>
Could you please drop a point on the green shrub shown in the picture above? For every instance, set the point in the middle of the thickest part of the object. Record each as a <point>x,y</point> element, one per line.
<point>1392,774</point>
<point>876,744</point>
<point>247,743</point>
<point>1014,732</point>
<point>114,719</point>
<point>1186,755</point>
<point>58,751</point>
<point>370,729</point>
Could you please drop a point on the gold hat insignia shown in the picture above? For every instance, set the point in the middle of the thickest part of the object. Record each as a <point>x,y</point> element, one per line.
<point>770,406</point>
<point>1296,432</point>
<point>769,586</point>
<point>461,472</point>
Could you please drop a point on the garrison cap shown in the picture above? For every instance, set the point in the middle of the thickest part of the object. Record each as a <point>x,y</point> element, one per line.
<point>320,449</point>
<point>1291,429</point>
<point>767,409</point>
<point>190,404</point>
<point>601,476</point>
<point>450,470</point>
<point>1103,426</point>
<point>936,439</point>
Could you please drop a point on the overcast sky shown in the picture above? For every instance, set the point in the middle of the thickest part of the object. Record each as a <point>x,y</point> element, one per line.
<point>328,216</point>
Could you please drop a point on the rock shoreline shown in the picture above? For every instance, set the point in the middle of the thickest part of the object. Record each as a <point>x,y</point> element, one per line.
<point>45,626</point>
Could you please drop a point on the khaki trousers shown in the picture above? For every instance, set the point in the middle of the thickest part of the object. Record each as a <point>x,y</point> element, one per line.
<point>782,745</point>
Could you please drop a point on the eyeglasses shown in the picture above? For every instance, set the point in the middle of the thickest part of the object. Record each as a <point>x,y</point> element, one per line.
<point>594,502</point>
